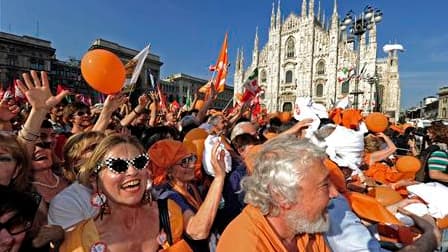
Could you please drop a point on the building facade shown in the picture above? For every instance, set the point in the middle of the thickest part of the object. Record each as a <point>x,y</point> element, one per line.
<point>304,55</point>
<point>178,86</point>
<point>19,54</point>
<point>443,103</point>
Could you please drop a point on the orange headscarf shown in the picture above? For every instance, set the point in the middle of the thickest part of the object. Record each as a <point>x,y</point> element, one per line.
<point>164,154</point>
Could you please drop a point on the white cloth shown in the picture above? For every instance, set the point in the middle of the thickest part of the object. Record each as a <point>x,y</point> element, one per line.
<point>304,108</point>
<point>209,142</point>
<point>434,194</point>
<point>71,206</point>
<point>346,147</point>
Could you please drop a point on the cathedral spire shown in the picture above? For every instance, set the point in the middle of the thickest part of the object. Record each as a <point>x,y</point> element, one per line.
<point>335,8</point>
<point>279,15</point>
<point>311,9</point>
<point>323,19</point>
<point>318,11</point>
<point>303,8</point>
<point>272,16</point>
<point>255,50</point>
<point>237,63</point>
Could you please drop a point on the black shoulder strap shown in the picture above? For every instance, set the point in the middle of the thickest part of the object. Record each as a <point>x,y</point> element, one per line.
<point>164,218</point>
<point>431,149</point>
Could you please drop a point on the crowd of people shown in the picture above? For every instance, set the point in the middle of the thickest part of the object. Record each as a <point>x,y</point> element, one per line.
<point>117,177</point>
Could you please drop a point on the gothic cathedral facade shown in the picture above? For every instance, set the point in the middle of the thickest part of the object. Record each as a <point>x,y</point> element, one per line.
<point>305,56</point>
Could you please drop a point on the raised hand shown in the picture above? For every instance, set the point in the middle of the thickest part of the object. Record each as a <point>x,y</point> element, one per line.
<point>7,112</point>
<point>113,102</point>
<point>37,91</point>
<point>143,100</point>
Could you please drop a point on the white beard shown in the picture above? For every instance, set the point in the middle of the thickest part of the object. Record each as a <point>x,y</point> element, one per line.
<point>300,224</point>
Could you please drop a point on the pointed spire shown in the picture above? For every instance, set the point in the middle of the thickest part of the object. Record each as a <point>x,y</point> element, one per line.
<point>256,39</point>
<point>311,9</point>
<point>318,11</point>
<point>279,15</point>
<point>335,8</point>
<point>242,58</point>
<point>272,16</point>
<point>303,8</point>
<point>323,19</point>
<point>237,59</point>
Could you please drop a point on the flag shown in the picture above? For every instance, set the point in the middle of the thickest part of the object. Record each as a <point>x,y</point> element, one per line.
<point>175,106</point>
<point>162,97</point>
<point>17,92</point>
<point>251,88</point>
<point>220,68</point>
<point>188,101</point>
<point>2,92</point>
<point>151,78</point>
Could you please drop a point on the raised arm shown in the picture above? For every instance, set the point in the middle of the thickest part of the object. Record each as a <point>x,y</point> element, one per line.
<point>111,104</point>
<point>142,101</point>
<point>38,93</point>
<point>198,225</point>
<point>384,153</point>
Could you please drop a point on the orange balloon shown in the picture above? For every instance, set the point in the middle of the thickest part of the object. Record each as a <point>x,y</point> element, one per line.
<point>376,122</point>
<point>196,133</point>
<point>408,164</point>
<point>199,104</point>
<point>285,116</point>
<point>103,71</point>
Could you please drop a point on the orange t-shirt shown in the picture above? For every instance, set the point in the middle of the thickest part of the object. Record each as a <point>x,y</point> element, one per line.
<point>250,231</point>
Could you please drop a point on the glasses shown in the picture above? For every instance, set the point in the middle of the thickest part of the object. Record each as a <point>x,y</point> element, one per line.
<point>82,113</point>
<point>16,225</point>
<point>44,145</point>
<point>119,165</point>
<point>185,162</point>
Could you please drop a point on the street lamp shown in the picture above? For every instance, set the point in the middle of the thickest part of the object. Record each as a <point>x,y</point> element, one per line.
<point>373,80</point>
<point>357,25</point>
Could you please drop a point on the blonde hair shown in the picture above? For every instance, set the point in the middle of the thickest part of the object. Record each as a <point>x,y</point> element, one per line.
<point>87,170</point>
<point>372,143</point>
<point>74,149</point>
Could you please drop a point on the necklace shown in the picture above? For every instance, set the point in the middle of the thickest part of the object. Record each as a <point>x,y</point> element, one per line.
<point>46,185</point>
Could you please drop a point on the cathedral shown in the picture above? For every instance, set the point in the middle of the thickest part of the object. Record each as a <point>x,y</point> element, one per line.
<point>307,55</point>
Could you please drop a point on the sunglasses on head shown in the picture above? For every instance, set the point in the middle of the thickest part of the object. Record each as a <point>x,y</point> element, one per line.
<point>185,162</point>
<point>44,145</point>
<point>82,113</point>
<point>119,165</point>
<point>16,225</point>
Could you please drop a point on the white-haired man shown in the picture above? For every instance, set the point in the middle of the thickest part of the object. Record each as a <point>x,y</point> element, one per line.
<point>287,197</point>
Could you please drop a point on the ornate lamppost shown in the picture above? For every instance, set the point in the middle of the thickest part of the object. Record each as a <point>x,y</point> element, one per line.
<point>357,25</point>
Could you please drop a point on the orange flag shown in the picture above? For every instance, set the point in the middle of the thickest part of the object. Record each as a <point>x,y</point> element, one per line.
<point>220,68</point>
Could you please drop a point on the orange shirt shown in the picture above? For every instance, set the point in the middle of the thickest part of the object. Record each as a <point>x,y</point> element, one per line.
<point>250,231</point>
<point>383,173</point>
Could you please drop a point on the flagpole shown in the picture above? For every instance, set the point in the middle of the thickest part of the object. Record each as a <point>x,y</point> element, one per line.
<point>227,105</point>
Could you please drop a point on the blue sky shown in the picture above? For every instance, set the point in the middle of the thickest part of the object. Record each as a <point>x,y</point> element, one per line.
<point>187,34</point>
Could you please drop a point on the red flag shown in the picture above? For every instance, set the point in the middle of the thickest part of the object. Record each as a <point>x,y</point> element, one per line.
<point>2,92</point>
<point>60,88</point>
<point>220,68</point>
<point>18,93</point>
<point>162,97</point>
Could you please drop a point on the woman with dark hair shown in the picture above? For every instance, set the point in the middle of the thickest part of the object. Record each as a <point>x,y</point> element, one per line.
<point>17,210</point>
<point>435,157</point>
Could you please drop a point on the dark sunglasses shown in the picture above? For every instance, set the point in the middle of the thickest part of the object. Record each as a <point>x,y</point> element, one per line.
<point>82,113</point>
<point>16,225</point>
<point>185,162</point>
<point>44,145</point>
<point>119,165</point>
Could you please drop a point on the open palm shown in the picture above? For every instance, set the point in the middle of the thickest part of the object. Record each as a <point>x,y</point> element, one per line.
<point>37,91</point>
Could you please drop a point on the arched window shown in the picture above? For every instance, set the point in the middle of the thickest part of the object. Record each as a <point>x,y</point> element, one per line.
<point>263,76</point>
<point>320,90</point>
<point>321,67</point>
<point>443,112</point>
<point>287,107</point>
<point>290,48</point>
<point>288,78</point>
<point>345,87</point>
